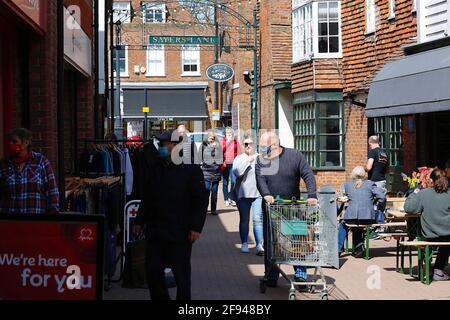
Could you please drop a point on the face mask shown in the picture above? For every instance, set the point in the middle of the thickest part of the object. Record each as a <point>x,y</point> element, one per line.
<point>266,150</point>
<point>14,149</point>
<point>164,152</point>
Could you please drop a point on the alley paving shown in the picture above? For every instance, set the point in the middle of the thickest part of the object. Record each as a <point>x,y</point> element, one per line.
<point>221,272</point>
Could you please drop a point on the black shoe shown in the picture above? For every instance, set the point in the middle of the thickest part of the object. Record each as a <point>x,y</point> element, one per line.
<point>359,254</point>
<point>299,279</point>
<point>272,283</point>
<point>214,213</point>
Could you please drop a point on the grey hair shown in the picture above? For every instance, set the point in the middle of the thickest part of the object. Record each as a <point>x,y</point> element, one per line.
<point>374,140</point>
<point>359,174</point>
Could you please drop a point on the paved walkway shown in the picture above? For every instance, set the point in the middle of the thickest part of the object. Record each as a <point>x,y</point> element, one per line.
<point>221,271</point>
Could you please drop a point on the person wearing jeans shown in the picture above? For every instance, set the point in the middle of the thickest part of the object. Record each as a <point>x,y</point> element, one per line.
<point>278,173</point>
<point>231,149</point>
<point>247,196</point>
<point>212,159</point>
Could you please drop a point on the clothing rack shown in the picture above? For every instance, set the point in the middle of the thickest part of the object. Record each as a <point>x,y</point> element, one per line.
<point>121,256</point>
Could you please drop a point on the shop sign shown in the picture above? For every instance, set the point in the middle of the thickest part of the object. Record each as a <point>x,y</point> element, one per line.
<point>77,45</point>
<point>131,210</point>
<point>220,72</point>
<point>215,115</point>
<point>31,8</point>
<point>183,40</point>
<point>51,258</point>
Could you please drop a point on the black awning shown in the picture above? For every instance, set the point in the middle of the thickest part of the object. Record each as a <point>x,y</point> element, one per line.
<point>165,103</point>
<point>417,83</point>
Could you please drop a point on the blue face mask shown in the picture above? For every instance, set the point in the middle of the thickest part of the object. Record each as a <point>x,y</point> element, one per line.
<point>164,152</point>
<point>266,150</point>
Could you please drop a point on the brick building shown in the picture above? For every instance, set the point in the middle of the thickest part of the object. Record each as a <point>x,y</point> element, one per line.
<point>358,68</point>
<point>171,78</point>
<point>28,77</point>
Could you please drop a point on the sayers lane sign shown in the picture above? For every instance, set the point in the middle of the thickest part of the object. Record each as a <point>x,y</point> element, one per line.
<point>182,40</point>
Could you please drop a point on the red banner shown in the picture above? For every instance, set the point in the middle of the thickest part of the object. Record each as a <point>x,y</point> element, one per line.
<point>47,260</point>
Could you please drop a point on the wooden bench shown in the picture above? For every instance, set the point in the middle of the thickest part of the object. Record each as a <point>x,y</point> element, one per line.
<point>367,228</point>
<point>424,258</point>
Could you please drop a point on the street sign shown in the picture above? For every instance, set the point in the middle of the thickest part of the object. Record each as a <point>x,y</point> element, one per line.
<point>131,210</point>
<point>220,72</point>
<point>182,40</point>
<point>145,109</point>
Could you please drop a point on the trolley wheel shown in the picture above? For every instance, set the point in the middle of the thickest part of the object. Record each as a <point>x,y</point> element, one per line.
<point>292,294</point>
<point>324,296</point>
<point>262,286</point>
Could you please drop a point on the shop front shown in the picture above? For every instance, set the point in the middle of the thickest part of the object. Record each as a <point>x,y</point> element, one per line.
<point>412,95</point>
<point>22,26</point>
<point>169,106</point>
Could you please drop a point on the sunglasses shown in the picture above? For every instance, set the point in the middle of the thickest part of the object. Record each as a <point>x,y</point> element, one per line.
<point>248,144</point>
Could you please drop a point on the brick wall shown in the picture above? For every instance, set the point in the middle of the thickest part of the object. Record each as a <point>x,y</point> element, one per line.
<point>364,55</point>
<point>275,54</point>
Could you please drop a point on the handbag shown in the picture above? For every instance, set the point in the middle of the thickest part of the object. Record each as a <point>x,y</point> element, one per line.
<point>134,273</point>
<point>234,193</point>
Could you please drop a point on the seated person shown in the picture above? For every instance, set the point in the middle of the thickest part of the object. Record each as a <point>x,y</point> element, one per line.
<point>361,194</point>
<point>434,205</point>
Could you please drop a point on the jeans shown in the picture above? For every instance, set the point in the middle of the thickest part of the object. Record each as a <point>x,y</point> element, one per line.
<point>212,188</point>
<point>228,174</point>
<point>379,210</point>
<point>244,205</point>
<point>357,239</point>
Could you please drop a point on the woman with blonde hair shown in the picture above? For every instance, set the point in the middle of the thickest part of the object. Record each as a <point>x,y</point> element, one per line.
<point>362,194</point>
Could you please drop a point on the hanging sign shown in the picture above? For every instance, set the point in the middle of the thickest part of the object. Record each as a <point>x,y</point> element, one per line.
<point>182,40</point>
<point>220,72</point>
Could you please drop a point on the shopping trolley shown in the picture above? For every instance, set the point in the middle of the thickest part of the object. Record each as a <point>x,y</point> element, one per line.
<point>299,235</point>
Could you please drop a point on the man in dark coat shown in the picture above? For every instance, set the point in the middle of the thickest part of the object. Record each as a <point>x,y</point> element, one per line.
<point>173,208</point>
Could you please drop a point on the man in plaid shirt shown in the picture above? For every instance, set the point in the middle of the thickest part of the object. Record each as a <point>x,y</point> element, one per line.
<point>27,181</point>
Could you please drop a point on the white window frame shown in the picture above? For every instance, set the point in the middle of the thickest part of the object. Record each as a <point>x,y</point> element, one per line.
<point>190,73</point>
<point>305,45</point>
<point>317,54</point>
<point>392,7</point>
<point>371,16</point>
<point>162,72</point>
<point>122,5</point>
<point>421,22</point>
<point>154,6</point>
<point>123,74</point>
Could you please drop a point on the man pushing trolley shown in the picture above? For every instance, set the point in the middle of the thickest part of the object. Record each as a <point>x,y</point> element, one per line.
<point>301,233</point>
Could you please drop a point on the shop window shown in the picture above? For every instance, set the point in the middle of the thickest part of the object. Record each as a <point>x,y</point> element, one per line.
<point>318,131</point>
<point>389,130</point>
<point>155,60</point>
<point>154,12</point>
<point>371,15</point>
<point>316,30</point>
<point>123,61</point>
<point>191,60</point>
<point>122,12</point>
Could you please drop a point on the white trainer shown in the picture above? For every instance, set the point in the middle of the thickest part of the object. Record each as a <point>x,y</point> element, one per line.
<point>260,250</point>
<point>244,247</point>
<point>227,203</point>
<point>440,275</point>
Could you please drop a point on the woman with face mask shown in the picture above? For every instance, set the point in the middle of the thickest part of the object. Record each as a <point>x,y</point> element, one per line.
<point>247,196</point>
<point>27,181</point>
<point>212,158</point>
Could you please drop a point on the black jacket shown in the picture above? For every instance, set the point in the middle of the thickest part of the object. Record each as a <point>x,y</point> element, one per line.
<point>174,202</point>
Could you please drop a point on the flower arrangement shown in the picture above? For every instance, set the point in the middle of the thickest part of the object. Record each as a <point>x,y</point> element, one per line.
<point>418,179</point>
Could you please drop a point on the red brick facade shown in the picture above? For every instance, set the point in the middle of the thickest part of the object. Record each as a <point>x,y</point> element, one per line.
<point>33,59</point>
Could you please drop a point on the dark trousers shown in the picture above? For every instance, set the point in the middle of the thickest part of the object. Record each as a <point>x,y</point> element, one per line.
<point>443,253</point>
<point>270,271</point>
<point>212,188</point>
<point>175,256</point>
